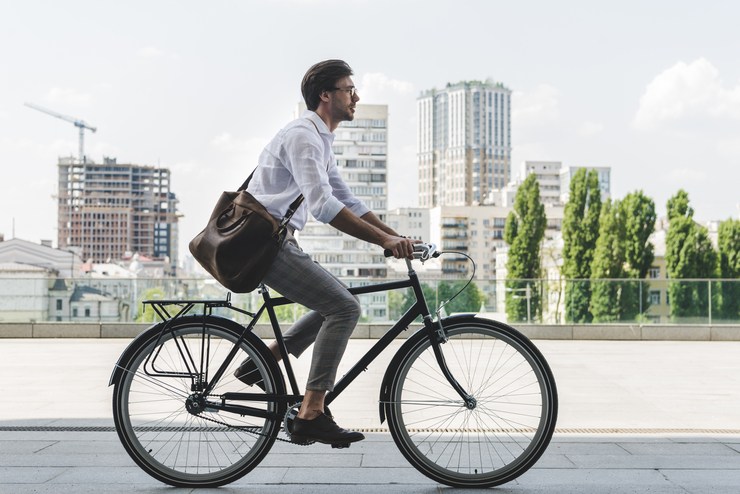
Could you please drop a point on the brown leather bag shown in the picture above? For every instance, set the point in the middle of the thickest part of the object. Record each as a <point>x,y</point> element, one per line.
<point>241,240</point>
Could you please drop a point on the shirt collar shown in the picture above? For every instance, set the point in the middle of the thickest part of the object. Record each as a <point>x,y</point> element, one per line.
<point>315,118</point>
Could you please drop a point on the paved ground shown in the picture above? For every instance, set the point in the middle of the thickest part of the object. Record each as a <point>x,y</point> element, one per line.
<point>658,417</point>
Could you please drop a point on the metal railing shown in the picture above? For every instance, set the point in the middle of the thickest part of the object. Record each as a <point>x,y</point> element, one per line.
<point>546,301</point>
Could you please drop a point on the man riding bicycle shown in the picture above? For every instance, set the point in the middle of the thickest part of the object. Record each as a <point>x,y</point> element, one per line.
<point>300,160</point>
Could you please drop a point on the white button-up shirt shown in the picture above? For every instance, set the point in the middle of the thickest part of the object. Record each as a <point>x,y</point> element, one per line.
<point>300,160</point>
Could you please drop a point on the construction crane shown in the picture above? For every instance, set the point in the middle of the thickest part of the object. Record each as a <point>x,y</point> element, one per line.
<point>80,124</point>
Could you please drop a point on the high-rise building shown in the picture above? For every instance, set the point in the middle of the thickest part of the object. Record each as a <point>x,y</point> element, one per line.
<point>114,210</point>
<point>361,149</point>
<point>463,143</point>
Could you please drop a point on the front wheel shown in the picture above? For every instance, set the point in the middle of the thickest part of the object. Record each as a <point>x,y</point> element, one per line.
<point>502,434</point>
<point>171,427</point>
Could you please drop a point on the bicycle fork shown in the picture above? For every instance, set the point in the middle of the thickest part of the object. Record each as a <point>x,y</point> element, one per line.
<point>438,337</point>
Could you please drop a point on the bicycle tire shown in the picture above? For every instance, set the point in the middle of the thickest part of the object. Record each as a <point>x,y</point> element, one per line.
<point>503,435</point>
<point>209,448</point>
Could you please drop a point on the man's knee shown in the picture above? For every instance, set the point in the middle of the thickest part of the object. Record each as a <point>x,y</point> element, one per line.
<point>351,307</point>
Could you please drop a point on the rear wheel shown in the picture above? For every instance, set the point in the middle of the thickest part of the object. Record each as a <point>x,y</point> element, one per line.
<point>174,431</point>
<point>502,434</point>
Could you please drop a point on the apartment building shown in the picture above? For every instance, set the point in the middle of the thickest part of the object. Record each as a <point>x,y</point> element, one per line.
<point>463,143</point>
<point>112,210</point>
<point>361,150</point>
<point>479,232</point>
<point>417,223</point>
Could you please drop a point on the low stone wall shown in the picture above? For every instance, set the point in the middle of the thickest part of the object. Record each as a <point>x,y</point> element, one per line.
<point>647,332</point>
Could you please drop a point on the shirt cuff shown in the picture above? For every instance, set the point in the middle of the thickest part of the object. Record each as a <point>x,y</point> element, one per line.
<point>328,211</point>
<point>359,209</point>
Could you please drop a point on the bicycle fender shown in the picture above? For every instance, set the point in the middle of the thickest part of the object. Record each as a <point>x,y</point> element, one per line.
<point>126,355</point>
<point>385,387</point>
<point>153,331</point>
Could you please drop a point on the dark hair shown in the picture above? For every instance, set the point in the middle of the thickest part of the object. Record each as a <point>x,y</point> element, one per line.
<point>321,77</point>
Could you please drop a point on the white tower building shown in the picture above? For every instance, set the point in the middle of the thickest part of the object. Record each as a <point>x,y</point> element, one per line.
<point>464,143</point>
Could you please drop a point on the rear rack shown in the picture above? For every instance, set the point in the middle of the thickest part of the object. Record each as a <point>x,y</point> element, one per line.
<point>185,306</point>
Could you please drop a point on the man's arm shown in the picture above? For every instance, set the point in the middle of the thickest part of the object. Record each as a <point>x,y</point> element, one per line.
<point>370,230</point>
<point>371,218</point>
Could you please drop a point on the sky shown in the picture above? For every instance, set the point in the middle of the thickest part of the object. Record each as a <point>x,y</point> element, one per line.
<point>648,88</point>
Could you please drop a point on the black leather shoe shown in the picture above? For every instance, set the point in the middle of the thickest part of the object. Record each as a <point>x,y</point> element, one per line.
<point>323,429</point>
<point>249,375</point>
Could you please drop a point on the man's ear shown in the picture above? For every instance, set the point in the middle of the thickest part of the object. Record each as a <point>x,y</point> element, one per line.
<point>324,96</point>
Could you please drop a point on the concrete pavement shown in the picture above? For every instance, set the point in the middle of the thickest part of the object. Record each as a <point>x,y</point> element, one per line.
<point>634,417</point>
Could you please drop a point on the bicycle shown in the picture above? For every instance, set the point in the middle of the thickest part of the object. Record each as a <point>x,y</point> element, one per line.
<point>470,402</point>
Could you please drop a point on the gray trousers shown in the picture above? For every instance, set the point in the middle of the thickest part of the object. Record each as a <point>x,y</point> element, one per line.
<point>333,315</point>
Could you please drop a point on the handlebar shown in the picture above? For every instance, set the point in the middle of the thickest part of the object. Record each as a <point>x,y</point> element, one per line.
<point>422,252</point>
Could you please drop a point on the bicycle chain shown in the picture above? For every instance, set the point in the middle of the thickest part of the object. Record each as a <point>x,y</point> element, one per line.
<point>245,429</point>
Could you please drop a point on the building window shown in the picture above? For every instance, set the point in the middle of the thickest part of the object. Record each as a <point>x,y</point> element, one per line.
<point>654,297</point>
<point>654,273</point>
<point>87,311</point>
<point>59,304</point>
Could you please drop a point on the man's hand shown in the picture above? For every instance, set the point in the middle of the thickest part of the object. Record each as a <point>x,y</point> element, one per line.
<point>401,247</point>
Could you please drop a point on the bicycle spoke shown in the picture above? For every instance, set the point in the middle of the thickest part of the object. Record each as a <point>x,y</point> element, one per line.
<point>500,435</point>
<point>164,420</point>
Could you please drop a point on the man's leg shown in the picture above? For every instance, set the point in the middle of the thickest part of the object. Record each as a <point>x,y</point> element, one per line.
<point>297,277</point>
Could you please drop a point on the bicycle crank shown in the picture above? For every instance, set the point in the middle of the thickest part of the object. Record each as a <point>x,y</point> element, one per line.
<point>291,414</point>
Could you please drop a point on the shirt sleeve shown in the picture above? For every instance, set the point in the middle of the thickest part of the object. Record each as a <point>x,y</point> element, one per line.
<point>307,164</point>
<point>343,193</point>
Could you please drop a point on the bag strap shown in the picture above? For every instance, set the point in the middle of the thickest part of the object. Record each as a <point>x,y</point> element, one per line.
<point>246,182</point>
<point>293,205</point>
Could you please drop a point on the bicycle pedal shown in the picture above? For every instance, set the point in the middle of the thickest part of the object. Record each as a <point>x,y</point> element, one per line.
<point>340,446</point>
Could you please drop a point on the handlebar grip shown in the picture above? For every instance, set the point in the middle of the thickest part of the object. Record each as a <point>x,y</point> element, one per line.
<point>421,251</point>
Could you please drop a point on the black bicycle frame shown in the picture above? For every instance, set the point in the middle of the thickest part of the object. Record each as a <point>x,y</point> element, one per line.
<point>435,334</point>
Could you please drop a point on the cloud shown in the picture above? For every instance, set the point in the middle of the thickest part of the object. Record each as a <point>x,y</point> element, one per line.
<point>184,168</point>
<point>378,86</point>
<point>23,144</point>
<point>686,91</point>
<point>536,107</point>
<point>68,96</point>
<point>587,129</point>
<point>151,52</point>
<point>65,147</point>
<point>729,148</point>
<point>687,175</point>
<point>228,143</point>
<point>239,152</point>
<point>222,140</point>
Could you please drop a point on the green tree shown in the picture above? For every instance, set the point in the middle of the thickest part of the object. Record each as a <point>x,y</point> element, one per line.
<point>289,312</point>
<point>608,266</point>
<point>469,300</point>
<point>523,232</point>
<point>689,256</point>
<point>396,299</point>
<point>638,214</point>
<point>147,313</point>
<point>406,299</point>
<point>729,269</point>
<point>580,231</point>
